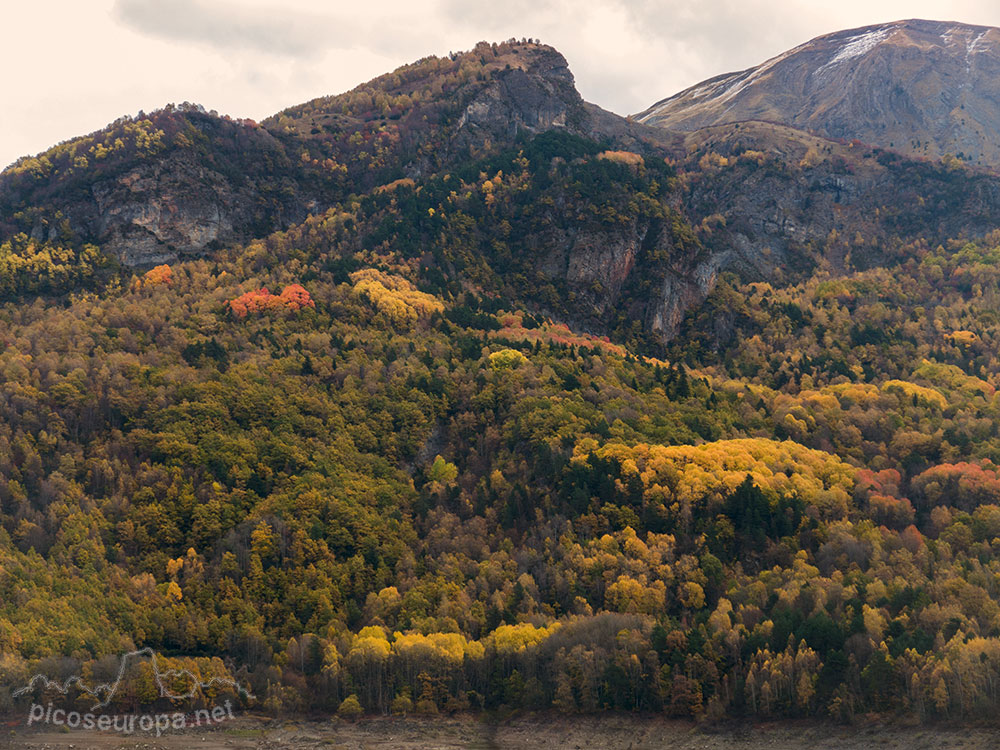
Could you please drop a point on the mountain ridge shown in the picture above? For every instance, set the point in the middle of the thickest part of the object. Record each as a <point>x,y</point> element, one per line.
<point>620,228</point>
<point>924,88</point>
<point>180,181</point>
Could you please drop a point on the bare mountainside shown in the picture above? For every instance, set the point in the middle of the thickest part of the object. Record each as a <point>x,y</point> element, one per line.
<point>925,88</point>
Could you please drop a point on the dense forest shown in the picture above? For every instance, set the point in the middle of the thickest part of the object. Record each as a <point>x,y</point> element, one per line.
<point>380,462</point>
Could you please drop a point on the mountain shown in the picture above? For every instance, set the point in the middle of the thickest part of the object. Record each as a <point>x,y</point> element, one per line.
<point>923,88</point>
<point>455,393</point>
<point>616,227</point>
<point>180,181</point>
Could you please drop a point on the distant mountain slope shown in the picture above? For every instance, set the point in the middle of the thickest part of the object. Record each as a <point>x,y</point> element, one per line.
<point>925,88</point>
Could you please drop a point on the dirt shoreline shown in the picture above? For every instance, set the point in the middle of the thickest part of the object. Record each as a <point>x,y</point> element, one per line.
<point>522,733</point>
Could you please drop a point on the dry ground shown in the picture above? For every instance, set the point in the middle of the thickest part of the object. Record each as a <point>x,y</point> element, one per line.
<point>545,732</point>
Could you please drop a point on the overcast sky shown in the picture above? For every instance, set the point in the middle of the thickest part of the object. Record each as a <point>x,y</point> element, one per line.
<point>72,66</point>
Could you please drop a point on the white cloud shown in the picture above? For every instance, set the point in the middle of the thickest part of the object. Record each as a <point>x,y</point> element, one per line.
<point>224,25</point>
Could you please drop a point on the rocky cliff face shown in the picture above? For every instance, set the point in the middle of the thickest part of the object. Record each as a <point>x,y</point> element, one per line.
<point>177,183</point>
<point>605,268</point>
<point>535,98</point>
<point>785,201</point>
<point>924,88</point>
<point>161,211</point>
<point>771,203</point>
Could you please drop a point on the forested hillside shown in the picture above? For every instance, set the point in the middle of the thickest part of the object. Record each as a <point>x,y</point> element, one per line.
<point>504,431</point>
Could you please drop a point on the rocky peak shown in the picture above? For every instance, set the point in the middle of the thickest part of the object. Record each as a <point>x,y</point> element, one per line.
<point>181,181</point>
<point>926,88</point>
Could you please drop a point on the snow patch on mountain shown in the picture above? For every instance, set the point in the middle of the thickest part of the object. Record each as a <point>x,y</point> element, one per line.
<point>857,46</point>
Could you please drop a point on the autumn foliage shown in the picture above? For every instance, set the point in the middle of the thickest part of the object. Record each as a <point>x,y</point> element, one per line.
<point>623,157</point>
<point>292,298</point>
<point>433,494</point>
<point>394,296</point>
<point>157,276</point>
